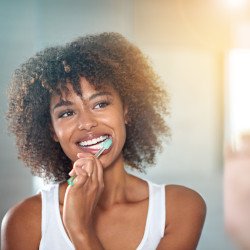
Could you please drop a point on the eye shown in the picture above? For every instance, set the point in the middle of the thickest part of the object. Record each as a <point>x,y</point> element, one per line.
<point>66,113</point>
<point>101,105</point>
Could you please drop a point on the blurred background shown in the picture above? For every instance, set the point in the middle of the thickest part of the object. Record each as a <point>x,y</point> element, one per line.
<point>200,48</point>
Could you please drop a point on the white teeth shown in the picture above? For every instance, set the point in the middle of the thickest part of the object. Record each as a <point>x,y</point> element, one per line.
<point>93,141</point>
<point>96,146</point>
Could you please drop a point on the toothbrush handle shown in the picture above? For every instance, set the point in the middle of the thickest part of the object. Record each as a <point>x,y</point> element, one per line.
<point>100,151</point>
<point>70,180</point>
<point>97,154</point>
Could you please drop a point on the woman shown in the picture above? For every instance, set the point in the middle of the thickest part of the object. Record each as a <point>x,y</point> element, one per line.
<point>64,103</point>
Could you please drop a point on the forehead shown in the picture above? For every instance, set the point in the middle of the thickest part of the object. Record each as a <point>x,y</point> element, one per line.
<point>85,92</point>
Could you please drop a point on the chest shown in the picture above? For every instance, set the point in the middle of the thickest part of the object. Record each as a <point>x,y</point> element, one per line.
<point>123,227</point>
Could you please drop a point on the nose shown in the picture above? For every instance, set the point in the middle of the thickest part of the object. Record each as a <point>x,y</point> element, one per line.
<point>87,121</point>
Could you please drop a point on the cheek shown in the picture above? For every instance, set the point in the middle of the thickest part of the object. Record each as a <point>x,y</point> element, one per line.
<point>121,129</point>
<point>61,132</point>
<point>115,120</point>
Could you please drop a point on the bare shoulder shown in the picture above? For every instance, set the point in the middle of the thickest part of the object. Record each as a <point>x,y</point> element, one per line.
<point>21,226</point>
<point>183,198</point>
<point>185,216</point>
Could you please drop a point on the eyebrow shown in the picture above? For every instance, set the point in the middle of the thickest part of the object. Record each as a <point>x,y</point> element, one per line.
<point>62,103</point>
<point>69,103</point>
<point>101,93</point>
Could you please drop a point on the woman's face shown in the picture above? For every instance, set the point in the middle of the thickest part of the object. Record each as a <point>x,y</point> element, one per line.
<point>82,123</point>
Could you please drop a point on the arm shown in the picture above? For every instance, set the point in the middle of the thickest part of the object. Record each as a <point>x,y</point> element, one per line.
<point>185,215</point>
<point>86,241</point>
<point>21,226</point>
<point>80,202</point>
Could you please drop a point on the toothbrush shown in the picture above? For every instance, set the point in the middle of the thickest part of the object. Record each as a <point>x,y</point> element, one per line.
<point>105,145</point>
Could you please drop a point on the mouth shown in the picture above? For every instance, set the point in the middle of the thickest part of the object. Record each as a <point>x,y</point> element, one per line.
<point>93,145</point>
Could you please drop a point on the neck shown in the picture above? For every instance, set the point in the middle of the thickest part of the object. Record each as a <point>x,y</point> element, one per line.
<point>115,184</point>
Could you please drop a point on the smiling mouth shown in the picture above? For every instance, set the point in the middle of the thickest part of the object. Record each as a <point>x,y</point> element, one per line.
<point>94,144</point>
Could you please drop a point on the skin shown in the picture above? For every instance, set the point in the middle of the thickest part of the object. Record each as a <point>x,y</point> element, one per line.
<point>91,209</point>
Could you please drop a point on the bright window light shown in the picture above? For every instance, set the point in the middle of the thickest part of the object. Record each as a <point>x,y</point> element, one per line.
<point>236,3</point>
<point>239,90</point>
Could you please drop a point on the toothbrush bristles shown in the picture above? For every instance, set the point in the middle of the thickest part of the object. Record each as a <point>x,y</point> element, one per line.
<point>106,145</point>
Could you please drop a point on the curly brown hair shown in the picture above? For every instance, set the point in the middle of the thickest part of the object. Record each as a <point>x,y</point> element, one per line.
<point>106,58</point>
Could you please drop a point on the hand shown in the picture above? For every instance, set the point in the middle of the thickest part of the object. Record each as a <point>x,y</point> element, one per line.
<point>237,191</point>
<point>81,199</point>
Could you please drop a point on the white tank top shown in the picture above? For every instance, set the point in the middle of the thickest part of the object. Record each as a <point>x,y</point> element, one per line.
<point>54,236</point>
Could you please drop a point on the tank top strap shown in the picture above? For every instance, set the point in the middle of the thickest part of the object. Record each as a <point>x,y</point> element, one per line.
<point>53,233</point>
<point>156,218</point>
<point>47,195</point>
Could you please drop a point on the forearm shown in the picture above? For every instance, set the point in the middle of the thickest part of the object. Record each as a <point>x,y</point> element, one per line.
<point>86,242</point>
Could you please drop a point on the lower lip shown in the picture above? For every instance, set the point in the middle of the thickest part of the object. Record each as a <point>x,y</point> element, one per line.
<point>106,151</point>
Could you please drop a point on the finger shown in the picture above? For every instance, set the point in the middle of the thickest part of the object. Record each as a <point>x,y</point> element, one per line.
<point>79,170</point>
<point>85,164</point>
<point>98,171</point>
<point>89,166</point>
<point>84,155</point>
<point>79,181</point>
<point>72,172</point>
<point>94,171</point>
